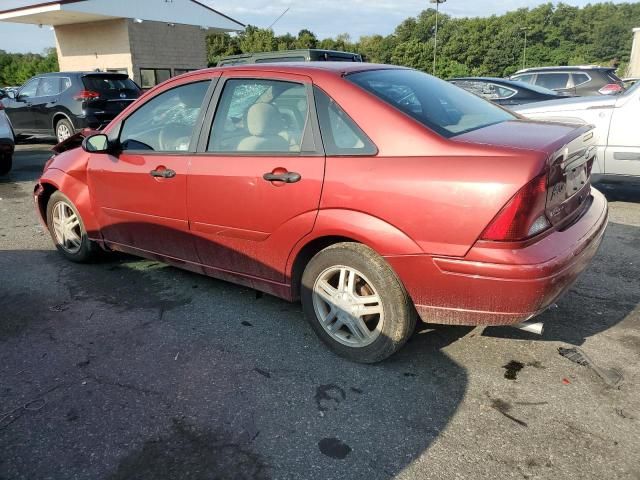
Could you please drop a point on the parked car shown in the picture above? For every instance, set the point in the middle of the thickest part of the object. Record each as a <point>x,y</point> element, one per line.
<point>300,55</point>
<point>616,128</point>
<point>630,82</point>
<point>4,91</point>
<point>505,92</point>
<point>63,103</point>
<point>581,81</point>
<point>372,193</point>
<point>7,144</point>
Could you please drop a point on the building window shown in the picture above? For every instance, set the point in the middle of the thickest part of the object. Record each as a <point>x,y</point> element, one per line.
<point>150,77</point>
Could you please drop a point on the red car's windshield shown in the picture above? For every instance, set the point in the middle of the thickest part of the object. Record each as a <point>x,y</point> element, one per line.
<point>440,106</point>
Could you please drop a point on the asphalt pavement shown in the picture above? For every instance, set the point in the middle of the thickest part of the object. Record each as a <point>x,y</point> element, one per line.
<point>130,369</point>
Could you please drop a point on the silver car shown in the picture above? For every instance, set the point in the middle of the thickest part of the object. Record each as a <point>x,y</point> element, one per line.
<point>616,122</point>
<point>7,144</point>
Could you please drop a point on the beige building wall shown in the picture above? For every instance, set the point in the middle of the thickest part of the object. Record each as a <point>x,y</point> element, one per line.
<point>634,64</point>
<point>97,45</point>
<point>123,44</point>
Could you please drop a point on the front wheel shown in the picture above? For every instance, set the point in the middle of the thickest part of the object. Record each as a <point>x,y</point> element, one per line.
<point>67,230</point>
<point>6,163</point>
<point>356,304</point>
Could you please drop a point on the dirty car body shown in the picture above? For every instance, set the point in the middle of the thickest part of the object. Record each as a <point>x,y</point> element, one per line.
<point>480,217</point>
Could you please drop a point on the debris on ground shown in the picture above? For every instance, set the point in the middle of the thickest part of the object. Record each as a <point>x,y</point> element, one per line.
<point>610,376</point>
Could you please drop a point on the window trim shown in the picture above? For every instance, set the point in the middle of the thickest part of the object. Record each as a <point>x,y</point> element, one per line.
<point>312,120</point>
<point>115,134</point>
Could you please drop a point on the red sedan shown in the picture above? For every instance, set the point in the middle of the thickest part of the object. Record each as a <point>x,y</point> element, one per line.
<point>377,195</point>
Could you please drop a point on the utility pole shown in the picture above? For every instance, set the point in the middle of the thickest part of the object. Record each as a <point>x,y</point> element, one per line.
<point>435,41</point>
<point>524,53</point>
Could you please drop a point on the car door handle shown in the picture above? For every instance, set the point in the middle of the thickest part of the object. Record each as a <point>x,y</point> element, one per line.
<point>29,104</point>
<point>287,177</point>
<point>162,173</point>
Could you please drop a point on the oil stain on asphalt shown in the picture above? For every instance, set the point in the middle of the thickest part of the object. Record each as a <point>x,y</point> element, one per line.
<point>334,448</point>
<point>327,395</point>
<point>192,453</point>
<point>511,369</point>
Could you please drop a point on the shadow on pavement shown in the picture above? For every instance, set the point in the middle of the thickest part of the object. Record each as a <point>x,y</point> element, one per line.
<point>620,191</point>
<point>150,372</point>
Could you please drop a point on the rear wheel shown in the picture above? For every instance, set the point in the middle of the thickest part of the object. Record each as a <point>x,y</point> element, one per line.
<point>64,129</point>
<point>6,162</point>
<point>356,304</point>
<point>67,230</point>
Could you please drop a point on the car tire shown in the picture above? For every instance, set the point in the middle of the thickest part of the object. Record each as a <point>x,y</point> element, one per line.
<point>347,288</point>
<point>71,241</point>
<point>6,162</point>
<point>64,129</point>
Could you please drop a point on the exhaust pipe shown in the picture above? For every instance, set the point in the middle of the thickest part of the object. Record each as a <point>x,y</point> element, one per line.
<point>531,326</point>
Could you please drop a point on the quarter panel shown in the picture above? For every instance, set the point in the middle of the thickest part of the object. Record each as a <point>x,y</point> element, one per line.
<point>439,204</point>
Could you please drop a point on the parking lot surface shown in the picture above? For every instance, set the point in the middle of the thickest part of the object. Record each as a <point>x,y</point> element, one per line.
<point>129,369</point>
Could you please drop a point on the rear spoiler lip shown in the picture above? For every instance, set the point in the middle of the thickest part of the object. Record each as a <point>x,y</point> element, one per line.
<point>102,74</point>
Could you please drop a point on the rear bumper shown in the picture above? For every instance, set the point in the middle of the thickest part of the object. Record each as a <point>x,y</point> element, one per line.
<point>493,285</point>
<point>93,120</point>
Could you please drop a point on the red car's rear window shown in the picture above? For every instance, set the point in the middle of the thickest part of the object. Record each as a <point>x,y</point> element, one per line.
<point>439,105</point>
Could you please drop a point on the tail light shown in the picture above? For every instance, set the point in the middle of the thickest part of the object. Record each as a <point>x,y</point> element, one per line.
<point>523,216</point>
<point>86,95</point>
<point>1,106</point>
<point>611,89</point>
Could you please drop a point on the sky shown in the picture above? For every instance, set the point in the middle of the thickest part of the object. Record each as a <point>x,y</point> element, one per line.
<point>326,18</point>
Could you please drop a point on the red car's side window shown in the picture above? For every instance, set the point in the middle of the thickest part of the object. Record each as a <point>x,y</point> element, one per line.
<point>165,123</point>
<point>340,134</point>
<point>260,116</point>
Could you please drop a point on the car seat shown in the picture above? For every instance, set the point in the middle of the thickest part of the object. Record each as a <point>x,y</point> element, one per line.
<point>264,124</point>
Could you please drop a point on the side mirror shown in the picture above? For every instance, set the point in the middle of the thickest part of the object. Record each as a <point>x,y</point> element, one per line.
<point>11,94</point>
<point>98,143</point>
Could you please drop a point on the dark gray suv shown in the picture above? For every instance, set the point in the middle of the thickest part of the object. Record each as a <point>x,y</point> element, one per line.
<point>581,81</point>
<point>63,103</point>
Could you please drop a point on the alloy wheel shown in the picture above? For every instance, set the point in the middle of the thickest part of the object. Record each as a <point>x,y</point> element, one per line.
<point>63,132</point>
<point>66,227</point>
<point>347,306</point>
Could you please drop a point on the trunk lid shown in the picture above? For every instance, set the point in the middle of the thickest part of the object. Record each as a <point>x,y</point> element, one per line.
<point>570,152</point>
<point>569,179</point>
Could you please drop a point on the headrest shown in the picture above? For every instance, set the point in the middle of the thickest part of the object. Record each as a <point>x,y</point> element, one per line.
<point>263,119</point>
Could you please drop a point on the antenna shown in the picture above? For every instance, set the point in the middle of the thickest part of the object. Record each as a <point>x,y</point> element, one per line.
<point>277,19</point>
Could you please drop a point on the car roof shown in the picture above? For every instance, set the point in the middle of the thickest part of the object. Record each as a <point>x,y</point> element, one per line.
<point>489,79</point>
<point>68,74</point>
<point>305,68</point>
<point>285,53</point>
